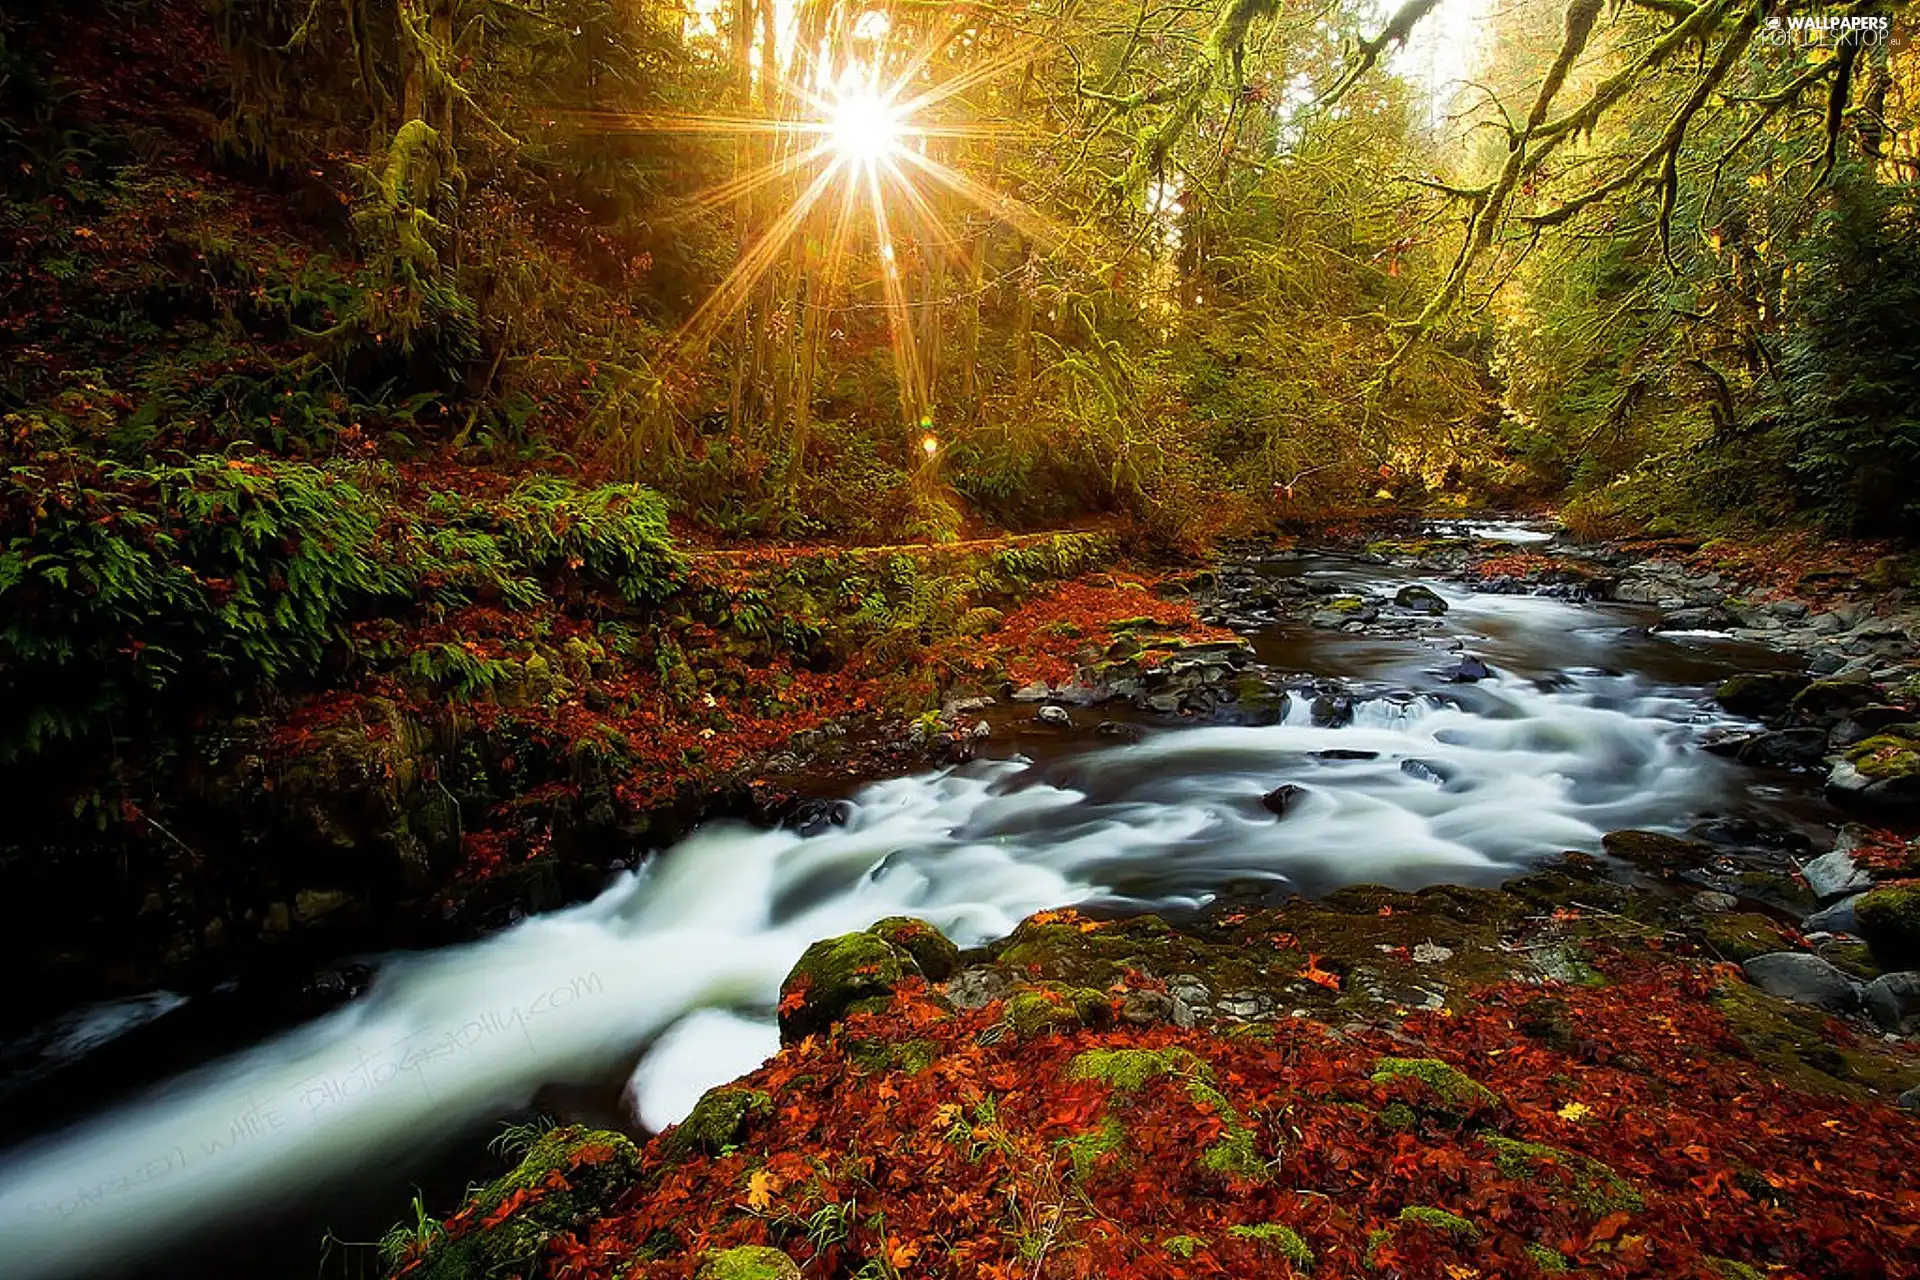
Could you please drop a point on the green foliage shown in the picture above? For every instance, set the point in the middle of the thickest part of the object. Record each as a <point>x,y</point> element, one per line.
<point>1452,1224</point>
<point>122,584</point>
<point>1279,1237</point>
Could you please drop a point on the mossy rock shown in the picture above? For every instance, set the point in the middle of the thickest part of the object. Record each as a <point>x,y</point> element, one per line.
<point>931,949</point>
<point>717,1121</point>
<point>1045,1010</point>
<point>1886,758</point>
<point>1457,1092</point>
<point>1759,693</point>
<point>1128,1069</point>
<point>1651,851</point>
<point>1733,1269</point>
<point>1346,604</point>
<point>1833,696</point>
<point>1740,936</point>
<point>1595,1188</point>
<point>838,976</point>
<point>1792,1042</point>
<point>594,1168</point>
<point>1432,1219</point>
<point>1550,1261</point>
<point>749,1262</point>
<point>1280,1238</point>
<point>908,1056</point>
<point>1889,920</point>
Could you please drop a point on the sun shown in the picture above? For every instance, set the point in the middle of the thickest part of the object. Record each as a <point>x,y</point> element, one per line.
<point>864,127</point>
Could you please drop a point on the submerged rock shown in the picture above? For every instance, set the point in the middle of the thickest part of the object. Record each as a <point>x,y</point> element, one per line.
<point>1469,670</point>
<point>1420,599</point>
<point>1282,798</point>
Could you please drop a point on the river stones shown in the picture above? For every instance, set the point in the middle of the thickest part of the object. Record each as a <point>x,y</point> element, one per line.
<point>1054,716</point>
<point>1657,853</point>
<point>838,976</point>
<point>1469,670</point>
<point>1894,1000</point>
<point>1416,598</point>
<point>931,949</point>
<point>1282,798</point>
<point>1889,921</point>
<point>1884,769</point>
<point>1803,979</point>
<point>1784,749</point>
<point>1835,873</point>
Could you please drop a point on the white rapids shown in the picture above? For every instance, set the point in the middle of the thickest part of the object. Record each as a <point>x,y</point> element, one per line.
<point>676,968</point>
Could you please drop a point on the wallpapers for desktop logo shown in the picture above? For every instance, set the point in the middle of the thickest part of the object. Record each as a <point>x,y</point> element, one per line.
<point>1823,28</point>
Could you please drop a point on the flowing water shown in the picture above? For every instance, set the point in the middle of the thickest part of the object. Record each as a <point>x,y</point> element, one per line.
<point>667,980</point>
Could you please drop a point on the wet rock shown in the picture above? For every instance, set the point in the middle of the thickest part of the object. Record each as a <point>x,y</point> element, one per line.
<point>1824,699</point>
<point>717,1120</point>
<point>1893,999</point>
<point>310,905</point>
<point>1784,749</point>
<point>811,817</point>
<point>1434,771</point>
<point>1332,711</point>
<point>1788,610</point>
<point>1825,662</point>
<point>1245,1006</point>
<point>838,976</point>
<point>1834,873</point>
<point>1192,1002</point>
<point>1697,618</point>
<point>1117,729</point>
<point>1803,979</point>
<point>1884,769</point>
<point>1055,716</point>
<point>1038,691</point>
<point>1889,920</point>
<point>1166,703</point>
<point>1431,953</point>
<point>1344,753</point>
<point>1760,694</point>
<point>1469,670</point>
<point>1838,918</point>
<point>1652,851</point>
<point>1910,1100</point>
<point>1858,725</point>
<point>1714,902</point>
<point>1418,599</point>
<point>1282,798</point>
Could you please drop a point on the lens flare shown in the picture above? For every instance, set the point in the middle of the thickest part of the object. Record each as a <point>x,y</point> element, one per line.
<point>863,127</point>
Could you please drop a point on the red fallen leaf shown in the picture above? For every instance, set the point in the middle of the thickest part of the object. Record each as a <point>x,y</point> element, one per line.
<point>1320,977</point>
<point>1607,1228</point>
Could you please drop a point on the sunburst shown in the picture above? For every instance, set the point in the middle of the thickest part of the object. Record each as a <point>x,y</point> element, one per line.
<point>864,135</point>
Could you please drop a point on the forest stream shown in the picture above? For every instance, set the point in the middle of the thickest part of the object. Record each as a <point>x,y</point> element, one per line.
<point>625,1008</point>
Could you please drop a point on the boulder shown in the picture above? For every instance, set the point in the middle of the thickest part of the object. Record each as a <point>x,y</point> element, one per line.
<point>1889,920</point>
<point>1835,873</point>
<point>1784,749</point>
<point>1884,769</point>
<point>1419,599</point>
<point>1824,699</point>
<point>931,949</point>
<point>1838,918</point>
<point>1055,716</point>
<point>1714,902</point>
<point>1861,723</point>
<point>1332,711</point>
<point>1803,979</point>
<point>1282,798</point>
<point>1651,851</point>
<point>838,976</point>
<point>1759,694</point>
<point>1468,670</point>
<point>1894,1000</point>
<point>748,1262</point>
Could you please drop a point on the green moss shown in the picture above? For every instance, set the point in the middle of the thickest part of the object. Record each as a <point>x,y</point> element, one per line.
<point>1890,922</point>
<point>1128,1069</point>
<point>1398,1115</point>
<point>1457,1091</point>
<point>1040,1011</point>
<point>1792,1042</point>
<point>1551,1261</point>
<point>1087,1150</point>
<point>1740,936</point>
<point>717,1120</point>
<point>1346,604</point>
<point>597,1167</point>
<point>838,976</point>
<point>1591,1185</point>
<point>1884,757</point>
<point>1183,1246</point>
<point>1420,1215</point>
<point>1730,1269</point>
<point>930,948</point>
<point>1376,1239</point>
<point>749,1262</point>
<point>1279,1237</point>
<point>909,1056</point>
